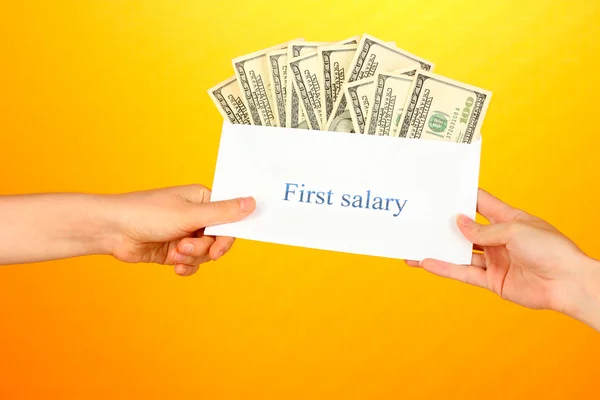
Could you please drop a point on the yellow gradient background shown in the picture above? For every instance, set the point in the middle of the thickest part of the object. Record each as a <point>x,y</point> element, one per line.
<point>110,96</point>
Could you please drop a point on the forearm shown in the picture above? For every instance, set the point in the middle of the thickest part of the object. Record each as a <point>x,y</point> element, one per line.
<point>45,227</point>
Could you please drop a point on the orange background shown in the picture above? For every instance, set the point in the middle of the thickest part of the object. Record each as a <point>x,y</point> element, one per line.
<point>110,96</point>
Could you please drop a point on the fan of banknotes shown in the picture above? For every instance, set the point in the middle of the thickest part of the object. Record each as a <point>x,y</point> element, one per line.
<point>360,85</point>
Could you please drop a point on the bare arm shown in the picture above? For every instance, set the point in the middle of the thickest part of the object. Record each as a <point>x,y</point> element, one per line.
<point>53,226</point>
<point>524,259</point>
<point>162,226</point>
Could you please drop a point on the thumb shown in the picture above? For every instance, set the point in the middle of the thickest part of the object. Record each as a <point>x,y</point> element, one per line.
<point>222,212</point>
<point>483,235</point>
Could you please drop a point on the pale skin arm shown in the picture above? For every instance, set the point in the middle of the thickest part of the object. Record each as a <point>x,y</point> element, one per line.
<point>163,226</point>
<point>524,259</point>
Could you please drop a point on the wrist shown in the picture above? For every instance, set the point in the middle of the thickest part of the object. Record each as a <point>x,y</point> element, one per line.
<point>585,294</point>
<point>100,233</point>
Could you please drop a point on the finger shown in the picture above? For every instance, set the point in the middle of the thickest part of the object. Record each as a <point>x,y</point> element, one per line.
<point>220,212</point>
<point>192,270</point>
<point>478,260</point>
<point>195,260</point>
<point>484,235</point>
<point>180,269</point>
<point>190,250</point>
<point>220,247</point>
<point>185,270</point>
<point>196,247</point>
<point>465,273</point>
<point>494,209</point>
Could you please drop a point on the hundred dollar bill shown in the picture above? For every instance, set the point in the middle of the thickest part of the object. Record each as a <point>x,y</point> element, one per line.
<point>439,108</point>
<point>252,72</point>
<point>304,71</point>
<point>294,114</point>
<point>295,117</point>
<point>388,101</point>
<point>359,94</point>
<point>334,62</point>
<point>278,78</point>
<point>372,55</point>
<point>228,99</point>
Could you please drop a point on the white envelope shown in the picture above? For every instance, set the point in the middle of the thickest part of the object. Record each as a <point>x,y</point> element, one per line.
<point>372,195</point>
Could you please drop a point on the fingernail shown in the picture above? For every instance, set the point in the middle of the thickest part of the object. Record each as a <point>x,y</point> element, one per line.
<point>221,252</point>
<point>463,220</point>
<point>178,258</point>
<point>246,203</point>
<point>180,269</point>
<point>188,248</point>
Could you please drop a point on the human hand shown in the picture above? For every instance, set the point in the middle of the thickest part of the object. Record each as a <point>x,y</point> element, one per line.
<point>166,226</point>
<point>524,259</point>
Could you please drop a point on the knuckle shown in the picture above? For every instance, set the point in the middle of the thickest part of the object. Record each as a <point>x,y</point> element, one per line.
<point>514,228</point>
<point>206,193</point>
<point>189,260</point>
<point>203,192</point>
<point>519,215</point>
<point>177,259</point>
<point>477,230</point>
<point>195,193</point>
